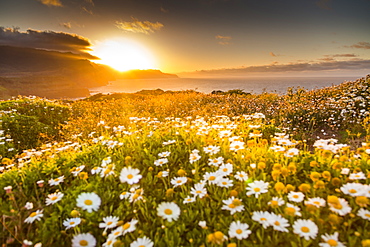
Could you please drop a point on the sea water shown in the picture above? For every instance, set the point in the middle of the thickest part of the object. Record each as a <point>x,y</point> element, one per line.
<point>255,85</point>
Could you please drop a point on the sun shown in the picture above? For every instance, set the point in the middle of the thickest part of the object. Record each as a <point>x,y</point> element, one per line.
<point>123,55</point>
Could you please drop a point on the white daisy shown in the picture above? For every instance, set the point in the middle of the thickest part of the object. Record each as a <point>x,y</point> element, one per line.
<point>142,242</point>
<point>276,202</point>
<point>72,222</point>
<point>130,175</point>
<point>110,241</point>
<point>212,177</point>
<point>88,201</point>
<point>56,181</point>
<point>77,170</point>
<point>278,222</point>
<point>291,152</point>
<point>34,216</point>
<point>317,201</point>
<point>262,217</point>
<point>357,176</point>
<point>342,207</point>
<point>331,240</point>
<point>198,190</point>
<point>83,240</point>
<point>305,228</point>
<point>241,176</point>
<point>169,211</point>
<point>129,226</point>
<point>161,162</point>
<point>225,182</point>
<point>233,205</point>
<point>353,189</point>
<point>29,205</point>
<point>216,161</point>
<point>226,169</point>
<point>292,210</point>
<point>194,156</point>
<point>53,198</point>
<point>257,187</point>
<point>364,213</point>
<point>211,149</point>
<point>164,154</point>
<point>109,222</point>
<point>188,199</point>
<point>236,146</point>
<point>239,230</point>
<point>178,181</point>
<point>295,196</point>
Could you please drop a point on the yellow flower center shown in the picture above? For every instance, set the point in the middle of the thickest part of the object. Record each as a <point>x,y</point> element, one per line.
<point>130,176</point>
<point>225,169</point>
<point>88,202</point>
<point>54,198</point>
<point>72,223</point>
<point>179,181</point>
<point>198,192</point>
<point>231,205</point>
<point>305,229</point>
<point>33,214</point>
<point>56,180</point>
<point>257,189</point>
<point>367,215</point>
<point>212,178</point>
<point>295,196</point>
<point>168,211</point>
<point>237,202</point>
<point>84,242</point>
<point>352,191</point>
<point>332,242</point>
<point>277,223</point>
<point>337,206</point>
<point>238,231</point>
<point>224,183</point>
<point>109,223</point>
<point>263,219</point>
<point>274,203</point>
<point>126,226</point>
<point>316,202</point>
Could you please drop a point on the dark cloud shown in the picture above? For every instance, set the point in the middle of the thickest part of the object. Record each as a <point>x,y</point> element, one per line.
<point>324,4</point>
<point>56,3</point>
<point>137,26</point>
<point>360,45</point>
<point>331,65</point>
<point>47,40</point>
<point>223,40</point>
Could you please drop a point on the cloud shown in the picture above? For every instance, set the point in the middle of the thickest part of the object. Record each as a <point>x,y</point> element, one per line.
<point>87,10</point>
<point>223,40</point>
<point>49,3</point>
<point>360,45</point>
<point>47,40</point>
<point>272,54</point>
<point>163,10</point>
<point>67,25</point>
<point>137,26</point>
<point>357,64</point>
<point>324,4</point>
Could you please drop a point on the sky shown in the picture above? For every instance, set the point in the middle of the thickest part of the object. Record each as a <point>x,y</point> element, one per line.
<point>297,37</point>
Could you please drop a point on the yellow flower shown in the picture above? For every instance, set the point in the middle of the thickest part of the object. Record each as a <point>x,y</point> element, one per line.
<point>336,182</point>
<point>362,201</point>
<point>277,166</point>
<point>261,165</point>
<point>304,187</point>
<point>326,175</point>
<point>315,176</point>
<point>181,172</point>
<point>319,185</point>
<point>216,238</point>
<point>365,243</point>
<point>275,174</point>
<point>279,186</point>
<point>314,163</point>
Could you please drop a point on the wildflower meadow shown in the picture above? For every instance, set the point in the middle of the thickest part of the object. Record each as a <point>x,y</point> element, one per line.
<point>188,169</point>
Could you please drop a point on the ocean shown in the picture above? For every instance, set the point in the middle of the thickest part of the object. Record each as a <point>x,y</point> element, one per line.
<point>255,85</point>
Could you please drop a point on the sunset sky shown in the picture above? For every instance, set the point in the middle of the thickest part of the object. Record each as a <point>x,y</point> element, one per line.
<point>240,36</point>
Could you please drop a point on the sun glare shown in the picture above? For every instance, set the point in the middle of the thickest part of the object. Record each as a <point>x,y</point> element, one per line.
<point>123,55</point>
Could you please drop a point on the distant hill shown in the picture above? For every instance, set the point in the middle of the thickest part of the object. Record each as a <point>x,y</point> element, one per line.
<point>52,74</point>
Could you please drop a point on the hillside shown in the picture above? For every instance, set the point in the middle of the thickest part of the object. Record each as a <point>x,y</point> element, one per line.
<point>51,74</point>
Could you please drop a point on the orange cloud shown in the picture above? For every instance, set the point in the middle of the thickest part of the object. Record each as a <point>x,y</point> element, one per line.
<point>137,26</point>
<point>360,45</point>
<point>223,40</point>
<point>55,3</point>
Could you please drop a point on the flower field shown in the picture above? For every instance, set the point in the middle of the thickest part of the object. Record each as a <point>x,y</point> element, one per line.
<point>189,169</point>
